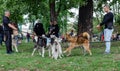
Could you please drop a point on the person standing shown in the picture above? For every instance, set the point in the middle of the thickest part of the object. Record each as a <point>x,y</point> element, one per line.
<point>108,23</point>
<point>28,37</point>
<point>7,32</point>
<point>71,33</point>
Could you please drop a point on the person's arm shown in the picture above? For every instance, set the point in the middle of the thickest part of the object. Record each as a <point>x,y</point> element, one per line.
<point>11,26</point>
<point>7,21</point>
<point>43,29</point>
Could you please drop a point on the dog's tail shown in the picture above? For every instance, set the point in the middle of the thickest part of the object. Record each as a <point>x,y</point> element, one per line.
<point>86,35</point>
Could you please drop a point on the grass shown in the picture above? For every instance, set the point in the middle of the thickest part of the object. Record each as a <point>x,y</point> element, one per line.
<point>23,61</point>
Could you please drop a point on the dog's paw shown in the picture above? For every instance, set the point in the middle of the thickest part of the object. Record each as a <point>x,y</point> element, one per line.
<point>43,56</point>
<point>55,58</point>
<point>17,51</point>
<point>60,57</point>
<point>64,51</point>
<point>90,54</point>
<point>68,54</point>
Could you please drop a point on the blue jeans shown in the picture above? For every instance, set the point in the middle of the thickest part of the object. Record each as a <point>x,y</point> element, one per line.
<point>28,39</point>
<point>107,39</point>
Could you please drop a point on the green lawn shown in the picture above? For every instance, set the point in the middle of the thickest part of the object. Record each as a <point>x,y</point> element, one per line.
<point>23,61</point>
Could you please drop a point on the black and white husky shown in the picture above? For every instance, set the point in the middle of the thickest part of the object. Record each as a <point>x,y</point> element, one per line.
<point>40,44</point>
<point>53,45</point>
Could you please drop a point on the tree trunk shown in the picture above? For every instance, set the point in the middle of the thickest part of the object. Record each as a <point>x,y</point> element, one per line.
<point>53,16</point>
<point>85,18</point>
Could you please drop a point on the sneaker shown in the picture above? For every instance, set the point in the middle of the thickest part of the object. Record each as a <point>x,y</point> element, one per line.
<point>106,52</point>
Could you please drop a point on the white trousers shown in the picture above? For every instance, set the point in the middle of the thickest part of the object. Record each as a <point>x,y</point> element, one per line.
<point>107,39</point>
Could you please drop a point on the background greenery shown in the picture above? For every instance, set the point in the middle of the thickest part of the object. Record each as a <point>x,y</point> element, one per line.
<point>41,9</point>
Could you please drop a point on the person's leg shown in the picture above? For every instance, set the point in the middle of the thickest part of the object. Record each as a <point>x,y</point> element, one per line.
<point>28,39</point>
<point>0,39</point>
<point>107,38</point>
<point>7,42</point>
<point>10,41</point>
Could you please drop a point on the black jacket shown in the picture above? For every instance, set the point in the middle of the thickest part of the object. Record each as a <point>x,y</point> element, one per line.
<point>108,20</point>
<point>6,21</point>
<point>56,30</point>
<point>38,29</point>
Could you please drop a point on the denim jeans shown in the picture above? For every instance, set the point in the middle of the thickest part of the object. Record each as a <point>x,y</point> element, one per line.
<point>107,39</point>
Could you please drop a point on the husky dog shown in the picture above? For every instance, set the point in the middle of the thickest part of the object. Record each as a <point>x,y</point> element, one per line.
<point>40,45</point>
<point>15,37</point>
<point>15,42</point>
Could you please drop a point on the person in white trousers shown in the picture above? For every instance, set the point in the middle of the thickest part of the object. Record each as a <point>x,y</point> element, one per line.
<point>108,23</point>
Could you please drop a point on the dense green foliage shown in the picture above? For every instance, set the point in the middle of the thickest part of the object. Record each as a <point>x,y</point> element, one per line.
<point>41,9</point>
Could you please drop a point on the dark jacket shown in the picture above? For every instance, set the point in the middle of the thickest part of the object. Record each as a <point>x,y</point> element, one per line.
<point>38,29</point>
<point>56,30</point>
<point>108,21</point>
<point>6,21</point>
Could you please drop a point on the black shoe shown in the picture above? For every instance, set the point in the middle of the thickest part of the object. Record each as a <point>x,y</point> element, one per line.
<point>12,51</point>
<point>9,53</point>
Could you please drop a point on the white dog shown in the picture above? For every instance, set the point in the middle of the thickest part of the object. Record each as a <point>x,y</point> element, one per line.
<point>50,42</point>
<point>57,49</point>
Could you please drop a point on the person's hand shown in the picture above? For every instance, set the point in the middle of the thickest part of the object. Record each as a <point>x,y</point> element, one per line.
<point>15,29</point>
<point>98,27</point>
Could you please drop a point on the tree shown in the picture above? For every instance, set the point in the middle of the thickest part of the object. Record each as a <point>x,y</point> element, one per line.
<point>16,8</point>
<point>85,18</point>
<point>59,6</point>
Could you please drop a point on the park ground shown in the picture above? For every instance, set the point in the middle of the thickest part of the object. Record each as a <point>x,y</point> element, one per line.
<point>23,61</point>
